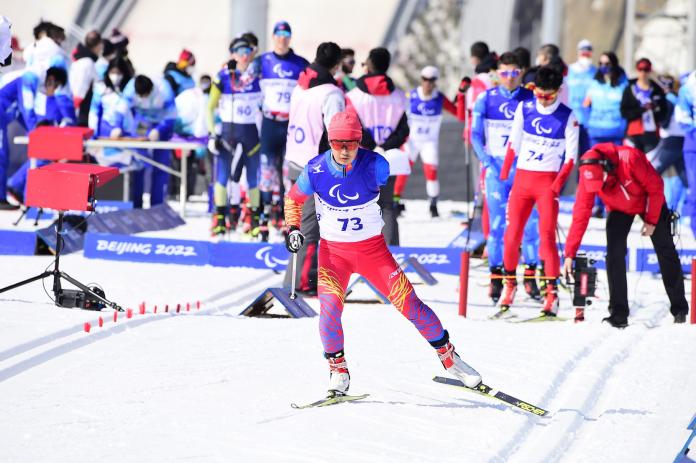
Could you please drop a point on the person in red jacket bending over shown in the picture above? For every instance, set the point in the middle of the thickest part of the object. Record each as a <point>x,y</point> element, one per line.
<point>628,185</point>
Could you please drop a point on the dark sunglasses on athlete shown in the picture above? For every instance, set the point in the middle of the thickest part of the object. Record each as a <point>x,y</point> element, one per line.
<point>339,145</point>
<point>426,79</point>
<point>644,69</point>
<point>545,96</point>
<point>510,74</point>
<point>349,62</point>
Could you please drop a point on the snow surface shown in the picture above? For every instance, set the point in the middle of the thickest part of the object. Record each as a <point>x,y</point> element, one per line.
<point>209,385</point>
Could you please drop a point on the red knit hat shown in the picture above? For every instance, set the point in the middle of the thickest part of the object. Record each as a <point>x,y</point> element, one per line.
<point>345,126</point>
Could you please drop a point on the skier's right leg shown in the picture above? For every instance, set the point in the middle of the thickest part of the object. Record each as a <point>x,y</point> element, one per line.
<point>530,255</point>
<point>378,266</point>
<point>519,209</point>
<point>223,166</point>
<point>335,268</point>
<point>497,192</point>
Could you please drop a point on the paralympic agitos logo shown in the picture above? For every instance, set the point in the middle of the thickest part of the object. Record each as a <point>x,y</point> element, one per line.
<point>343,199</point>
<point>264,255</point>
<point>540,130</point>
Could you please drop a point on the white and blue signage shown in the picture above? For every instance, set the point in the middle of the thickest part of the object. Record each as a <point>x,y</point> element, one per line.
<point>272,256</point>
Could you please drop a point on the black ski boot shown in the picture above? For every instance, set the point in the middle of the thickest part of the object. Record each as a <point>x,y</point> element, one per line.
<point>495,289</point>
<point>530,283</point>
<point>433,208</point>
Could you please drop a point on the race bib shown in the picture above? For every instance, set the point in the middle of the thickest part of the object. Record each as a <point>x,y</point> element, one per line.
<point>349,224</point>
<point>276,95</point>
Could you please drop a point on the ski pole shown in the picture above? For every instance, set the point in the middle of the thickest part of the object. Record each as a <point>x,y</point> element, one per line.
<point>293,295</point>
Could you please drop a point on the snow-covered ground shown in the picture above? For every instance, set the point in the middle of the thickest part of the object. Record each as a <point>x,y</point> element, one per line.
<point>209,385</point>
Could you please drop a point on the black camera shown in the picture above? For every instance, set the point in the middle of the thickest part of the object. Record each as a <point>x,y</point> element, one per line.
<point>585,276</point>
<point>75,298</point>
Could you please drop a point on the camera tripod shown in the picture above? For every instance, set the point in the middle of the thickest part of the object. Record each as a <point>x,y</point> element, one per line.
<point>64,298</point>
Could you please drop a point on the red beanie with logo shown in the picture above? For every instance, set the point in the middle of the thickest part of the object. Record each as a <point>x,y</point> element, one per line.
<point>345,126</point>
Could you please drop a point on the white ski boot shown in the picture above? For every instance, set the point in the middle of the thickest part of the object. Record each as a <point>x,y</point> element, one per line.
<point>458,367</point>
<point>339,381</point>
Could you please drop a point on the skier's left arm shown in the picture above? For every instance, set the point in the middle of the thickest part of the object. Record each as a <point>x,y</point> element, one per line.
<point>572,135</point>
<point>514,142</point>
<point>450,107</point>
<point>295,199</point>
<point>381,170</point>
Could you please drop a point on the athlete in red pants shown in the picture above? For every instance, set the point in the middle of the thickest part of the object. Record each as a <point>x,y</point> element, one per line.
<point>345,182</point>
<point>544,142</point>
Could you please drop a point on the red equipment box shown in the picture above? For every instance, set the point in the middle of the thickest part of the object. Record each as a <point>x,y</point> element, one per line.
<point>58,143</point>
<point>66,187</point>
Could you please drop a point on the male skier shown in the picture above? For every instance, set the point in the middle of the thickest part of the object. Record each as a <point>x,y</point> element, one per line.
<point>345,182</point>
<point>490,131</point>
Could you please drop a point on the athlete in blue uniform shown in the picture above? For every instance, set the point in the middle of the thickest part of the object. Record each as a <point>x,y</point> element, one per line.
<point>53,105</point>
<point>154,111</point>
<point>490,130</point>
<point>236,94</point>
<point>345,182</point>
<point>19,96</point>
<point>279,70</point>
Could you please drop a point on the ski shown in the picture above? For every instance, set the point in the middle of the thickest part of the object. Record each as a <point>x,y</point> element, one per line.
<point>488,391</point>
<point>542,318</point>
<point>331,400</point>
<point>503,313</point>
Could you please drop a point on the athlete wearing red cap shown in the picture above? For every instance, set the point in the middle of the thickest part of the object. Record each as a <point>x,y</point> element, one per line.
<point>345,181</point>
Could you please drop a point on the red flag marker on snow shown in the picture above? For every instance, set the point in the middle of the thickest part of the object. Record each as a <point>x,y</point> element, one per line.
<point>115,315</point>
<point>101,322</point>
<point>87,327</point>
<point>178,308</point>
<point>129,313</point>
<point>198,305</point>
<point>142,309</point>
<point>188,307</point>
<point>166,308</point>
<point>155,309</point>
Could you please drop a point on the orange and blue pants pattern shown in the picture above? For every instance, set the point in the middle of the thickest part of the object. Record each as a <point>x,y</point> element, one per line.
<point>370,258</point>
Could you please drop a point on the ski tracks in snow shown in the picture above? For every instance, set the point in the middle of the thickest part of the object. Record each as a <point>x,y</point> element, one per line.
<point>576,389</point>
<point>28,355</point>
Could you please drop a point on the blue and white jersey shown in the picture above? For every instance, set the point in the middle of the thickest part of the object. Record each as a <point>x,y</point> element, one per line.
<point>346,203</point>
<point>279,76</point>
<point>544,138</point>
<point>240,99</point>
<point>18,93</point>
<point>492,118</point>
<point>605,120</point>
<point>685,112</point>
<point>57,109</point>
<point>578,81</point>
<point>156,111</point>
<point>109,110</point>
<point>424,115</point>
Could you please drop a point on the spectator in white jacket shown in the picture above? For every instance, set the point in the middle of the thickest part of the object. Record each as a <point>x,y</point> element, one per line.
<point>83,71</point>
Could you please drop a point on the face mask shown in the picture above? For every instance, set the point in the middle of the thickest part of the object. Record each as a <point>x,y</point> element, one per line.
<point>585,61</point>
<point>115,78</point>
<point>537,61</point>
<point>205,88</point>
<point>604,69</point>
<point>190,70</point>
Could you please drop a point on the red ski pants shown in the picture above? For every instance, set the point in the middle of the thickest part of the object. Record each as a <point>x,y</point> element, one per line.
<point>530,188</point>
<point>370,258</point>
